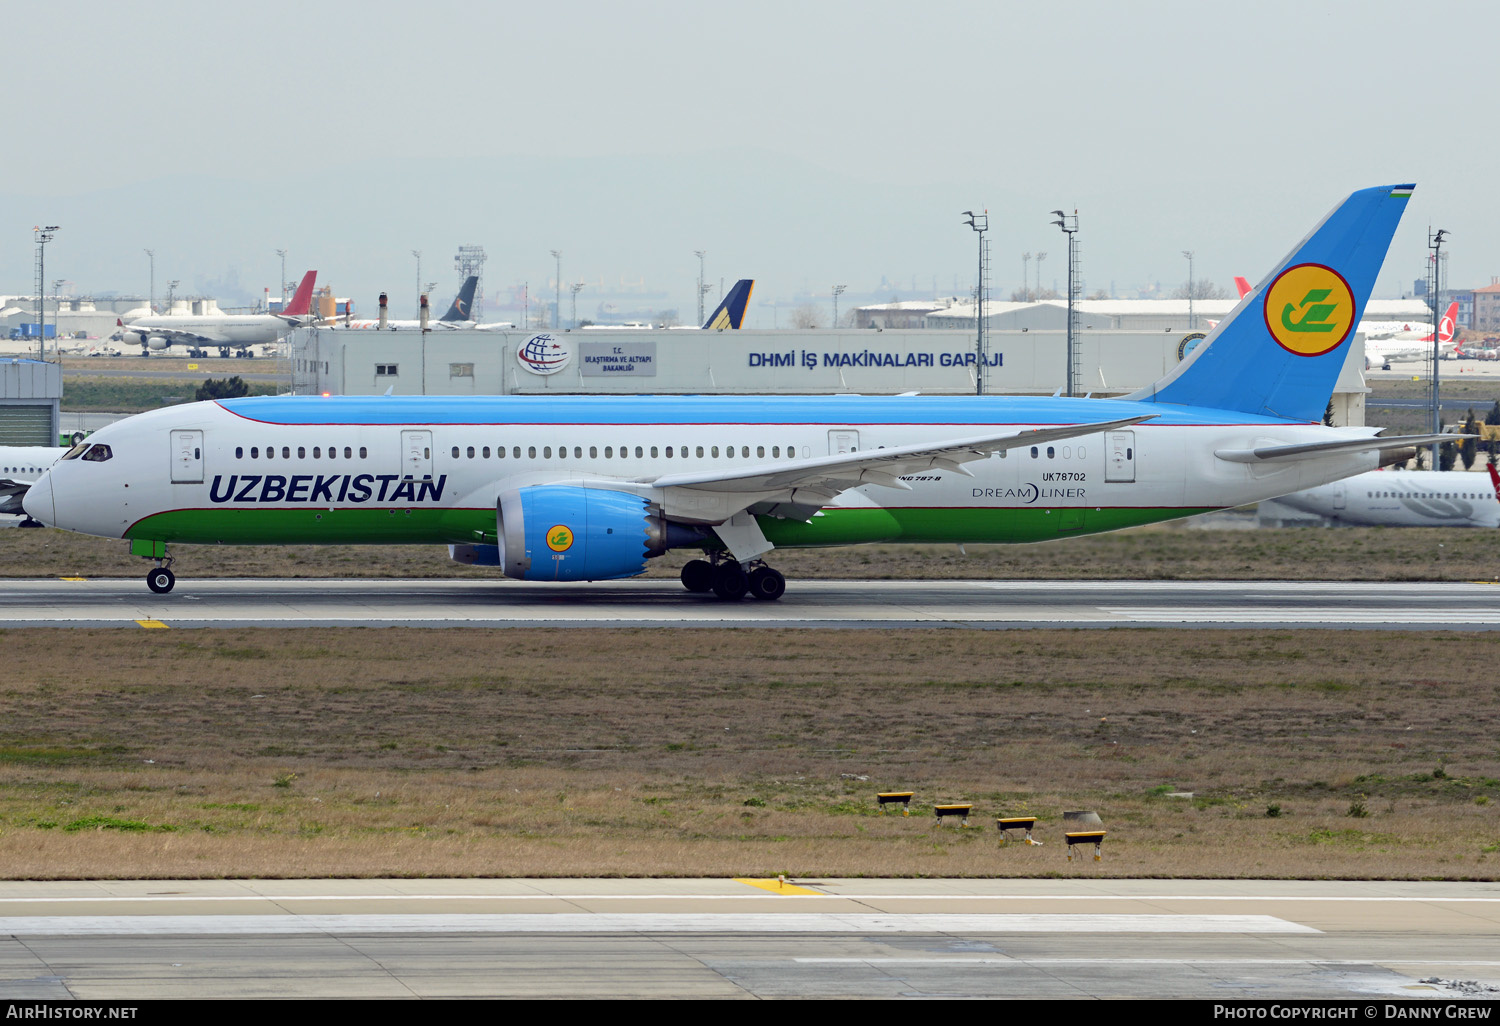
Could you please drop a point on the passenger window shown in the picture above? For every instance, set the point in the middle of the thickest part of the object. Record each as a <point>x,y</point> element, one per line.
<point>760,452</point>
<point>515,452</point>
<point>639,453</point>
<point>714,450</point>
<point>471,452</point>
<point>317,452</point>
<point>669,452</point>
<point>745,451</point>
<point>531,452</point>
<point>286,452</point>
<point>455,452</point>
<point>301,453</point>
<point>593,452</point>
<point>255,452</point>
<point>653,452</point>
<point>486,452</point>
<point>609,452</point>
<point>776,452</point>
<point>364,453</point>
<point>349,453</point>
<point>578,452</point>
<point>1081,454</point>
<point>700,452</point>
<point>239,452</point>
<point>1051,452</point>
<point>1034,452</point>
<point>546,452</point>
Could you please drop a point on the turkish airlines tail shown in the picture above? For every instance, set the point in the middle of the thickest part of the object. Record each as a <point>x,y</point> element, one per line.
<point>301,301</point>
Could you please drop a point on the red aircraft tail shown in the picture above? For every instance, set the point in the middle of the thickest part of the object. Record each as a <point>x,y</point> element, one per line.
<point>1494,478</point>
<point>1242,285</point>
<point>301,301</point>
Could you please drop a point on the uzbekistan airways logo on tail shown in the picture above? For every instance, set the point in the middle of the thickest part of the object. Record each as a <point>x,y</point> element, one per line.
<point>1309,309</point>
<point>559,538</point>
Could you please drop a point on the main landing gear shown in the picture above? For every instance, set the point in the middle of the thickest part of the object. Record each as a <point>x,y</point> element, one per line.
<point>730,581</point>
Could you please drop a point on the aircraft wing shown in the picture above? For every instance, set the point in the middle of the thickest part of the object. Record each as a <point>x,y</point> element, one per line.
<point>175,336</point>
<point>1315,450</point>
<point>800,489</point>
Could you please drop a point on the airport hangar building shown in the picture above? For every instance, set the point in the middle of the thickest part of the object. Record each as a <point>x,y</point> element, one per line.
<point>775,362</point>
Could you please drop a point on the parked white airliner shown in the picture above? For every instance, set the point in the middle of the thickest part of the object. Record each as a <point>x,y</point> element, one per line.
<point>1406,498</point>
<point>20,466</point>
<point>578,488</point>
<point>221,331</point>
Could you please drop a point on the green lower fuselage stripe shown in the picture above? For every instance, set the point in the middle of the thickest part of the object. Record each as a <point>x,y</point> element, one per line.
<point>844,526</point>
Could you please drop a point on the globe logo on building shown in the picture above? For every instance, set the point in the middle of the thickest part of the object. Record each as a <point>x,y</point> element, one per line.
<point>544,354</point>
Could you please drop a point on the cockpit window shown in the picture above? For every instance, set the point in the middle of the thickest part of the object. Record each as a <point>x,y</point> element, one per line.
<point>98,454</point>
<point>76,451</point>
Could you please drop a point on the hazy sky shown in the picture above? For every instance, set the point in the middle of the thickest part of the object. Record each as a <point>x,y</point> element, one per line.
<point>801,144</point>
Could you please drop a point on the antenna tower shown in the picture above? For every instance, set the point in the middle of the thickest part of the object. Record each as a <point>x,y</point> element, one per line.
<point>470,260</point>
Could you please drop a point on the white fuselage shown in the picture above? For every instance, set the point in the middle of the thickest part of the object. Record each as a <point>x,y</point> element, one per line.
<point>236,472</point>
<point>228,329</point>
<point>1404,498</point>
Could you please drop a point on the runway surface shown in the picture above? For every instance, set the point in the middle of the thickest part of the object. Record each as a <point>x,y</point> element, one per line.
<point>1081,938</point>
<point>958,604</point>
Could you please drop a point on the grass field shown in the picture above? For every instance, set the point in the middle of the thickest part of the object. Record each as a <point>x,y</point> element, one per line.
<point>720,753</point>
<point>1164,552</point>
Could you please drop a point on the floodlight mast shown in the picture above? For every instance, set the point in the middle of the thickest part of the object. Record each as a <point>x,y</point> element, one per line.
<point>980,223</point>
<point>42,236</point>
<point>1434,297</point>
<point>1069,225</point>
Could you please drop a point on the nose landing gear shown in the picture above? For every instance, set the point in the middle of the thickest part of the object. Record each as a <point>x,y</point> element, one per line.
<point>161,580</point>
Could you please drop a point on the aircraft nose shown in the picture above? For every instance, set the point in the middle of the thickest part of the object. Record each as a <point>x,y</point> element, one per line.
<point>37,502</point>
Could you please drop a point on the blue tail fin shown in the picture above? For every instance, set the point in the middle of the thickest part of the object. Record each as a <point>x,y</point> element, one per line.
<point>731,312</point>
<point>463,303</point>
<point>1280,352</point>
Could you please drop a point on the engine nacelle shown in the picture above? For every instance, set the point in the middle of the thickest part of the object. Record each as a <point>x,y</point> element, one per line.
<point>156,342</point>
<point>576,533</point>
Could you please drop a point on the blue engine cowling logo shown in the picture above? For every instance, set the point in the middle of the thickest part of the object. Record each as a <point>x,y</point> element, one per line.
<point>580,534</point>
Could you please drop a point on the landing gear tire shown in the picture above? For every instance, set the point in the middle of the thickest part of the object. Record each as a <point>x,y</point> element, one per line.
<point>161,580</point>
<point>730,582</point>
<point>698,576</point>
<point>766,584</point>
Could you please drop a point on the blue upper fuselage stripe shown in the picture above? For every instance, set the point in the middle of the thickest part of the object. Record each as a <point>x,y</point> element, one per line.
<point>834,410</point>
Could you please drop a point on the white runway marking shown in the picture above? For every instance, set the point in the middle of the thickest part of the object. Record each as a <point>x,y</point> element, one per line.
<point>748,896</point>
<point>648,922</point>
<point>1301,614</point>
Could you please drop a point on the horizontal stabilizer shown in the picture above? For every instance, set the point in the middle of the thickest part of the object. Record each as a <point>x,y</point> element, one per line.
<point>1316,450</point>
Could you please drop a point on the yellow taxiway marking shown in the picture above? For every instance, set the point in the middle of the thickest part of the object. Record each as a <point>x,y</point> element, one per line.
<point>72,578</point>
<point>153,623</point>
<point>775,886</point>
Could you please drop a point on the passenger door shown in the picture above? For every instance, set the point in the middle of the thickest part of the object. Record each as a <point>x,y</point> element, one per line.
<point>843,440</point>
<point>187,457</point>
<point>1119,452</point>
<point>416,455</point>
